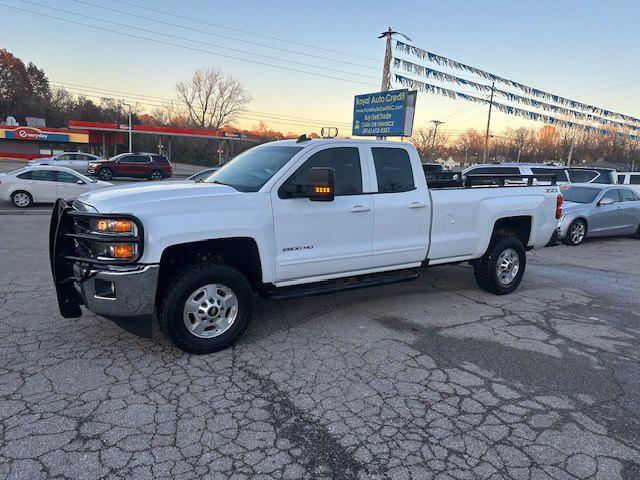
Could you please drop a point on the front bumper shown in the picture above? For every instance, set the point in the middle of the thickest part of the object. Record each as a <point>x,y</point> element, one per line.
<point>118,294</point>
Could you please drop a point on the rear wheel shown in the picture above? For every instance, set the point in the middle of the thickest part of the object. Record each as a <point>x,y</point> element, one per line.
<point>576,233</point>
<point>155,175</point>
<point>207,308</point>
<point>501,268</point>
<point>21,199</point>
<point>105,174</point>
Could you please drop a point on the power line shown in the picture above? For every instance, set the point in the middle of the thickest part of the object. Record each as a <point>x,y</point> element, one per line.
<point>164,102</point>
<point>204,22</point>
<point>197,30</point>
<point>200,50</point>
<point>178,37</point>
<point>253,116</point>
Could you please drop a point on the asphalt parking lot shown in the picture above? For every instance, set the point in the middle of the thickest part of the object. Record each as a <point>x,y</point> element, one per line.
<point>430,379</point>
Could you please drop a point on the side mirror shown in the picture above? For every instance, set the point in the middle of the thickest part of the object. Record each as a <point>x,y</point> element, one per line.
<point>605,201</point>
<point>323,184</point>
<point>320,188</point>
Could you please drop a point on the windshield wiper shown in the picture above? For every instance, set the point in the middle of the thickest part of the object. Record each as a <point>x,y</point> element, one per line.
<point>218,182</point>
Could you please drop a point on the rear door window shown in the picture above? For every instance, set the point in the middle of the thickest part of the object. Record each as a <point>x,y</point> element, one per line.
<point>634,179</point>
<point>560,174</point>
<point>628,195</point>
<point>582,176</point>
<point>393,170</point>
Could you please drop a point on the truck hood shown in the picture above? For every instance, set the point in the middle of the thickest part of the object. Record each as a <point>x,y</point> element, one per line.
<point>125,198</point>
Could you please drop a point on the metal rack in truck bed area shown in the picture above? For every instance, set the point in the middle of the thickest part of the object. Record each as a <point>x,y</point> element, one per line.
<point>493,180</point>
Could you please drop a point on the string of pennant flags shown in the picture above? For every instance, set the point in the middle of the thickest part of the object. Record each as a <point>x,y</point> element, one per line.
<point>427,72</point>
<point>529,115</point>
<point>549,97</point>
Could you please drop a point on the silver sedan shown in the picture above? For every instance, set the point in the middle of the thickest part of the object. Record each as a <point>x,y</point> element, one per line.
<point>75,160</point>
<point>592,210</point>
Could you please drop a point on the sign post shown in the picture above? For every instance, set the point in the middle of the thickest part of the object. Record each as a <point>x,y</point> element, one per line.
<point>384,114</point>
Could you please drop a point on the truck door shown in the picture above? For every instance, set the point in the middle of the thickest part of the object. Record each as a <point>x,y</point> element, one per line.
<point>325,238</point>
<point>401,209</point>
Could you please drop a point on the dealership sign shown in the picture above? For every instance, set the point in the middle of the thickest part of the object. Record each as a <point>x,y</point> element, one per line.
<point>32,134</point>
<point>384,114</point>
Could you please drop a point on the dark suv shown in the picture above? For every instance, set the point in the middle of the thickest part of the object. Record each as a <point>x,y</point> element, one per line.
<point>137,165</point>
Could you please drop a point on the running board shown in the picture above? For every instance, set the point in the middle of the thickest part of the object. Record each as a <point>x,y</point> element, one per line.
<point>310,290</point>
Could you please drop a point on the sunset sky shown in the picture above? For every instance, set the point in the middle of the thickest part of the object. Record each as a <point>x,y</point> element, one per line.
<point>584,50</point>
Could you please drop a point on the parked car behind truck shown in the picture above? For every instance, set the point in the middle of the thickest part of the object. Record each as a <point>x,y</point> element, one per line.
<point>132,165</point>
<point>593,210</point>
<point>284,219</point>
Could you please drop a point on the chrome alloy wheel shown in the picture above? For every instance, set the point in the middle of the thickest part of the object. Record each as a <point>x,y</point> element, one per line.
<point>210,310</point>
<point>577,232</point>
<point>156,175</point>
<point>21,199</point>
<point>507,266</point>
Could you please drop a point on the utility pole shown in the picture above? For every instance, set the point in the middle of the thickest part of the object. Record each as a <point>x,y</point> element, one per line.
<point>386,70</point>
<point>130,128</point>
<point>433,140</point>
<point>486,136</point>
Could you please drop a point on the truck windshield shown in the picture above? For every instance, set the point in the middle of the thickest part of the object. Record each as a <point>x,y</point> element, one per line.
<point>250,170</point>
<point>580,194</point>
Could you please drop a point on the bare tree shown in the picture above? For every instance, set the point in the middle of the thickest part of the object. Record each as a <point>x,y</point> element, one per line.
<point>212,99</point>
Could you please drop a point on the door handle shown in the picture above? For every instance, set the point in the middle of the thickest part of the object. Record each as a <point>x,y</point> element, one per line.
<point>417,205</point>
<point>359,208</point>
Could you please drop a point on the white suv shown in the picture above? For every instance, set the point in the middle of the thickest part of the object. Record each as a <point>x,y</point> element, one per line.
<point>519,169</point>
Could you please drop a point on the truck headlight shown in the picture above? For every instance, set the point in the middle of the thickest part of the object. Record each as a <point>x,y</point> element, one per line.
<point>118,251</point>
<point>112,226</point>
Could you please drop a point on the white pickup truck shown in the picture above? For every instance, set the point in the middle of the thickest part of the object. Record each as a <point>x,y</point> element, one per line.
<point>284,219</point>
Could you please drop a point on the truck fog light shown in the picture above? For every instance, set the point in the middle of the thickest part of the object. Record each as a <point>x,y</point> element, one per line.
<point>104,288</point>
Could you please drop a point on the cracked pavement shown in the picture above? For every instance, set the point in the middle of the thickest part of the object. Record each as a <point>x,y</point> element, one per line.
<point>432,379</point>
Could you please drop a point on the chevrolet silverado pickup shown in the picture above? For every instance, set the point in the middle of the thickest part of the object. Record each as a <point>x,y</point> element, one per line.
<point>282,220</point>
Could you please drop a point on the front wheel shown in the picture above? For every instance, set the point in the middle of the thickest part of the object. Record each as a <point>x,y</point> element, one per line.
<point>500,269</point>
<point>207,308</point>
<point>21,199</point>
<point>575,233</point>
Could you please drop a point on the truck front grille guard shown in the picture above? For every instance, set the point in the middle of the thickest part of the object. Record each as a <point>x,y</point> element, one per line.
<point>71,242</point>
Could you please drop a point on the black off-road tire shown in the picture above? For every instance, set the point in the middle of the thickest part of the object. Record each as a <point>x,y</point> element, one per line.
<point>485,268</point>
<point>105,174</point>
<point>568,240</point>
<point>187,281</point>
<point>22,193</point>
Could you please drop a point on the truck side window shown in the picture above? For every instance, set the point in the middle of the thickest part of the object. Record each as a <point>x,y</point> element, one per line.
<point>346,163</point>
<point>393,170</point>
